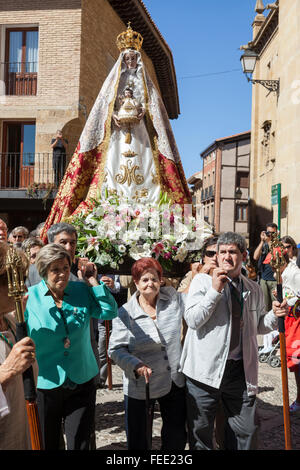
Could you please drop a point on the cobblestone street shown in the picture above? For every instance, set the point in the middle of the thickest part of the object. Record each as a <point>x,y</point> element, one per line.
<point>110,432</point>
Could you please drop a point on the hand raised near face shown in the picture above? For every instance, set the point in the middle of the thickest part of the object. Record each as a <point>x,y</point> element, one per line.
<point>219,279</point>
<point>108,281</point>
<point>263,236</point>
<point>209,266</point>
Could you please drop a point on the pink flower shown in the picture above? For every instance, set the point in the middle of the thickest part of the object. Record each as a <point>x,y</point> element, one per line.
<point>158,248</point>
<point>174,248</point>
<point>167,255</point>
<point>120,223</point>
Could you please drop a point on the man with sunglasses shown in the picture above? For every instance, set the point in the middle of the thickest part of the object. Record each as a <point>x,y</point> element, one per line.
<point>224,312</point>
<point>267,280</point>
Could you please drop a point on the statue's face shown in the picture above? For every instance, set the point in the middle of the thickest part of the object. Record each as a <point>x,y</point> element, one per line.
<point>130,60</point>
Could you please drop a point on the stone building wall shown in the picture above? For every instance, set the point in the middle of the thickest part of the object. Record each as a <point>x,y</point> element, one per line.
<point>77,49</point>
<point>275,153</point>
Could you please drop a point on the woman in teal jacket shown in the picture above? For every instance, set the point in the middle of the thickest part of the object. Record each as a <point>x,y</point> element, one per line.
<point>58,314</point>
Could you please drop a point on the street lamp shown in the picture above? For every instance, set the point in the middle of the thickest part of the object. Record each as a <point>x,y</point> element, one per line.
<point>248,60</point>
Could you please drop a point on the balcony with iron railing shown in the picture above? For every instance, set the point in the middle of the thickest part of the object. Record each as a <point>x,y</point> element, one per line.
<point>19,78</point>
<point>29,170</point>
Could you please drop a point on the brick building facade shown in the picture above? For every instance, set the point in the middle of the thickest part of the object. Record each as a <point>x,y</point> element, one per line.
<point>225,188</point>
<point>55,56</point>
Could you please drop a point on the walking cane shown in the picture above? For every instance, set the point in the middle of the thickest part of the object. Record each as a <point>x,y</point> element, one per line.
<point>109,372</point>
<point>16,289</point>
<point>148,415</point>
<point>277,260</point>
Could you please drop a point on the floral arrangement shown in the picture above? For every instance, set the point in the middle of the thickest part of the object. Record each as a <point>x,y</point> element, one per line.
<point>115,231</point>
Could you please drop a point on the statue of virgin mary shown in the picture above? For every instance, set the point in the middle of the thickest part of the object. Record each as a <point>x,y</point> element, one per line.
<point>126,147</point>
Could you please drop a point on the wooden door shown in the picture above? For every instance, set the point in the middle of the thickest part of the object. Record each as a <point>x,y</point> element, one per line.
<point>10,157</point>
<point>17,158</point>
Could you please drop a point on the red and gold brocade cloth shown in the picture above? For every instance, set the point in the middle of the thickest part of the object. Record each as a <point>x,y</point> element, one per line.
<point>173,181</point>
<point>82,181</point>
<point>81,176</point>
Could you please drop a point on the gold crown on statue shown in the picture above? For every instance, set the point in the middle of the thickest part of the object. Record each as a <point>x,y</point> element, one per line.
<point>129,39</point>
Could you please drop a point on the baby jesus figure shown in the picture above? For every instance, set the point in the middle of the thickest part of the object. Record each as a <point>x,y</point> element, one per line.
<point>130,113</point>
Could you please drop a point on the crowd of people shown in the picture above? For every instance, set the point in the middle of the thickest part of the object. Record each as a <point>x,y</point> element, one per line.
<point>188,344</point>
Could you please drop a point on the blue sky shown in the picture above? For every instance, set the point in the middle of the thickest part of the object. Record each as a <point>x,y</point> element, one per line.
<point>204,37</point>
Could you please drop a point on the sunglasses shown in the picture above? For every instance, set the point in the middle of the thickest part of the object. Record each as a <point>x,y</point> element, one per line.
<point>287,246</point>
<point>210,253</point>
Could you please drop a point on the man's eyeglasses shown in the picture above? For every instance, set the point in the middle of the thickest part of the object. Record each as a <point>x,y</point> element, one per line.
<point>210,253</point>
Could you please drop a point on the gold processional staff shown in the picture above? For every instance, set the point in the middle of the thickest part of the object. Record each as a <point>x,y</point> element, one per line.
<point>17,289</point>
<point>277,261</point>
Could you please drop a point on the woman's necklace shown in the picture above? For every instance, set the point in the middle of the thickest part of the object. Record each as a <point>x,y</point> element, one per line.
<point>58,299</point>
<point>5,339</point>
<point>59,302</point>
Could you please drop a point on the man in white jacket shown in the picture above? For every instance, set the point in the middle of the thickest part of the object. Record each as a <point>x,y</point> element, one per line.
<point>224,313</point>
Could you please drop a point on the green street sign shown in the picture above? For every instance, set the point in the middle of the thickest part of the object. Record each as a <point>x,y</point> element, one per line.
<point>276,200</point>
<point>275,194</point>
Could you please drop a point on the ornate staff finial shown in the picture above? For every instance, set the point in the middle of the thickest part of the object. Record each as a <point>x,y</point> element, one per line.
<point>277,252</point>
<point>15,268</point>
<point>15,278</point>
